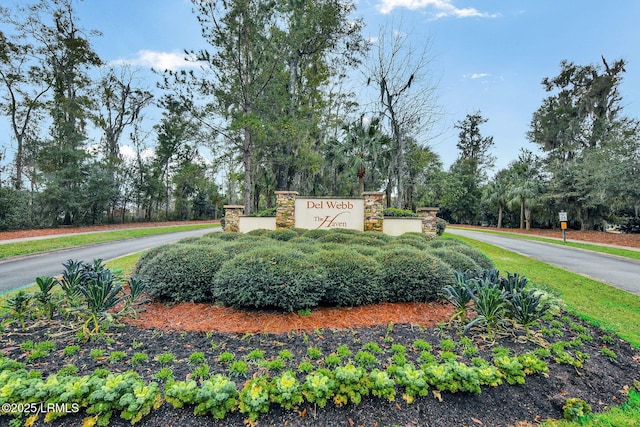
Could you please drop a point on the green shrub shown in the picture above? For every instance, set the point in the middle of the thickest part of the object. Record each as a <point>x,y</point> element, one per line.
<point>410,275</point>
<point>416,240</point>
<point>368,251</point>
<point>395,212</point>
<point>266,212</point>
<point>481,259</point>
<point>182,272</point>
<point>283,234</point>
<point>315,234</point>
<point>457,260</point>
<point>351,278</point>
<point>446,243</point>
<point>224,235</point>
<point>334,236</point>
<point>441,226</point>
<point>271,276</point>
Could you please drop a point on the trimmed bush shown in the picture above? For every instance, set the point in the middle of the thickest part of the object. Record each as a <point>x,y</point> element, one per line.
<point>456,259</point>
<point>366,250</point>
<point>283,234</point>
<point>417,240</point>
<point>411,275</point>
<point>446,243</point>
<point>351,279</point>
<point>270,276</point>
<point>441,226</point>
<point>481,259</point>
<point>314,234</point>
<point>181,272</point>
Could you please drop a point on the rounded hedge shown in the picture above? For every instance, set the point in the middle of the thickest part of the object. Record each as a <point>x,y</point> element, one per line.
<point>456,259</point>
<point>411,275</point>
<point>351,279</point>
<point>271,276</point>
<point>481,259</point>
<point>284,234</point>
<point>182,272</point>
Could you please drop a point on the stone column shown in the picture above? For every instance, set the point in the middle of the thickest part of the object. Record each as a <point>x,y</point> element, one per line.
<point>428,216</point>
<point>373,210</point>
<point>232,217</point>
<point>285,209</point>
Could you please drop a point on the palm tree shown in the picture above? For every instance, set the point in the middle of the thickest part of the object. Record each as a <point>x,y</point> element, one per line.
<point>526,185</point>
<point>363,145</point>
<point>496,193</point>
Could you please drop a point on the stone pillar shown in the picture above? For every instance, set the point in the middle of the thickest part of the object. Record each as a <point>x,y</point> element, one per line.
<point>232,217</point>
<point>285,209</point>
<point>428,216</point>
<point>373,210</point>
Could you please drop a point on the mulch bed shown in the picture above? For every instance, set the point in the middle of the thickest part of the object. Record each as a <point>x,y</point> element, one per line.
<point>186,328</point>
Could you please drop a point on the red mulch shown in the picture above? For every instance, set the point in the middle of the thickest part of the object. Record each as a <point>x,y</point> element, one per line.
<point>207,317</point>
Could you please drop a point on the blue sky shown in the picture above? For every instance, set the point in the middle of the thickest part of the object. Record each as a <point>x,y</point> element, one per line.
<point>488,55</point>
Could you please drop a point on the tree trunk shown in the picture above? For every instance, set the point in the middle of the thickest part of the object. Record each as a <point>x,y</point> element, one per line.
<point>500,215</point>
<point>521,214</point>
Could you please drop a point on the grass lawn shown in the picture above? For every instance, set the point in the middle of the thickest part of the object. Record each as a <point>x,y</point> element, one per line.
<point>608,307</point>
<point>596,248</point>
<point>34,246</point>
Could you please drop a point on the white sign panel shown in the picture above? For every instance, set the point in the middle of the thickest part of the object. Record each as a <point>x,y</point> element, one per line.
<point>329,213</point>
<point>563,216</point>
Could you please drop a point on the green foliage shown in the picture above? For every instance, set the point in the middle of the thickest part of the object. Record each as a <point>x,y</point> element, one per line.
<point>286,390</point>
<point>102,291</point>
<point>138,359</point>
<point>270,276</point>
<point>395,212</point>
<point>366,360</point>
<point>511,369</point>
<point>319,387</point>
<point>254,398</point>
<point>165,358</point>
<point>574,409</point>
<point>609,353</point>
<point>410,275</point>
<point>44,296</point>
<point>413,380</point>
<point>116,356</point>
<point>71,350</point>
<point>351,279</point>
<point>456,259</point>
<point>196,358</point>
<point>18,306</point>
<point>182,272</point>
<point>483,261</point>
<point>238,368</point>
<point>314,353</point>
<point>525,307</point>
<point>217,396</point>
<point>382,385</point>
<point>352,383</point>
<point>489,304</point>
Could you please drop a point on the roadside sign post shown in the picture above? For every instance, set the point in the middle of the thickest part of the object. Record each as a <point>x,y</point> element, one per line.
<point>563,225</point>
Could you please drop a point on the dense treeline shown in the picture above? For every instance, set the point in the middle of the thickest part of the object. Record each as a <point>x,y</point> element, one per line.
<point>267,109</point>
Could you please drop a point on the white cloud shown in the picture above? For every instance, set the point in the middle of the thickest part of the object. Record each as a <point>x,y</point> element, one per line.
<point>158,60</point>
<point>475,76</point>
<point>439,8</point>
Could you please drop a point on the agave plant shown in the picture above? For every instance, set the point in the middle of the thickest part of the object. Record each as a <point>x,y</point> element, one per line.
<point>19,306</point>
<point>513,283</point>
<point>44,297</point>
<point>525,307</point>
<point>102,292</point>
<point>136,291</point>
<point>489,302</point>
<point>460,295</point>
<point>72,277</point>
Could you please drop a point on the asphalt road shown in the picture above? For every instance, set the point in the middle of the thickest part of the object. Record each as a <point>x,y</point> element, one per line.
<point>22,271</point>
<point>616,271</point>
